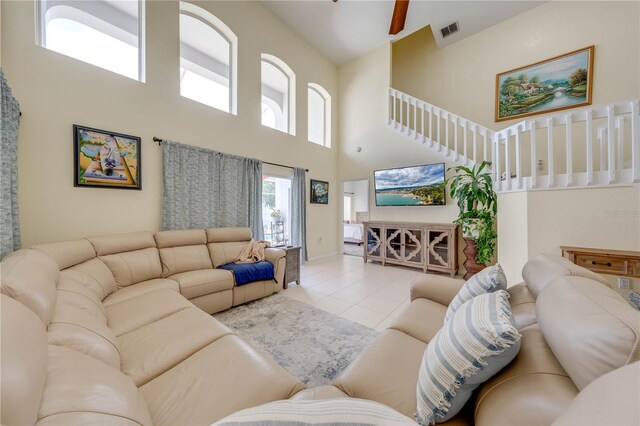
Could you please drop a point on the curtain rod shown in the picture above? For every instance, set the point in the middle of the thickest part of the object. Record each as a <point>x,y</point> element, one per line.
<point>156,139</point>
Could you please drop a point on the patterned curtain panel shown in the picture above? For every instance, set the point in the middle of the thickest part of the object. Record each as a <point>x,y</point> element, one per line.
<point>203,188</point>
<point>9,123</point>
<point>299,211</point>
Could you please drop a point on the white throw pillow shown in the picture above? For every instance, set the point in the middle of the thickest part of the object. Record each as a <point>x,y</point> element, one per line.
<point>486,281</point>
<point>344,411</point>
<point>480,340</point>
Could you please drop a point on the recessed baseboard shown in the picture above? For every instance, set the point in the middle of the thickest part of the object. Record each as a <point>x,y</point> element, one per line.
<point>323,256</point>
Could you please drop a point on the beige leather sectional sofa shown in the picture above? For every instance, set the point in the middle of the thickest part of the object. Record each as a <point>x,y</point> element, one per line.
<point>116,330</point>
<point>100,331</point>
<point>574,330</point>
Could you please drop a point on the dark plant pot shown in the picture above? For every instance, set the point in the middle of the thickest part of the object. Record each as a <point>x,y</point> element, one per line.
<point>470,264</point>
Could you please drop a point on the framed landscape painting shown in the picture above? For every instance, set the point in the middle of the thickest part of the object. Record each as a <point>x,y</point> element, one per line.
<point>562,82</point>
<point>319,192</point>
<point>106,159</point>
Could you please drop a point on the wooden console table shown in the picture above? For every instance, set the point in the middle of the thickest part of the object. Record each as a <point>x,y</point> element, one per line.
<point>603,261</point>
<point>432,247</point>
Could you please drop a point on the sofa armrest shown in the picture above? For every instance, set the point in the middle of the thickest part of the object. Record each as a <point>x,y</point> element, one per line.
<point>436,288</point>
<point>272,254</point>
<point>278,258</point>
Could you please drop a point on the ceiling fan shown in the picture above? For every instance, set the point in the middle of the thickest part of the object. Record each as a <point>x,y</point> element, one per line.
<point>399,16</point>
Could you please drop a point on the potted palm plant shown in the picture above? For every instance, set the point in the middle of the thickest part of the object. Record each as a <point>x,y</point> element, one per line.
<point>477,201</point>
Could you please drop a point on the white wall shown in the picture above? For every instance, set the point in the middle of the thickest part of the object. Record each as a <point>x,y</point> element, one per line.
<point>360,191</point>
<point>56,92</point>
<point>606,218</point>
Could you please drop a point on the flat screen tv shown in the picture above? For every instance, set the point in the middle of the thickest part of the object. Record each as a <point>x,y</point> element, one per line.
<point>411,186</point>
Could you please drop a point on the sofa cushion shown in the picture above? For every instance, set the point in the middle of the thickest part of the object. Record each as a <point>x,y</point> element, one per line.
<point>68,253</point>
<point>473,346</point>
<point>153,349</point>
<point>486,281</point>
<point>145,309</point>
<point>544,268</point>
<point>532,390</point>
<point>30,277</point>
<point>135,290</point>
<point>228,234</point>
<point>422,319</point>
<point>223,253</point>
<point>75,289</point>
<point>386,372</point>
<point>244,273</point>
<point>121,243</point>
<point>198,283</point>
<point>600,331</point>
<point>180,238</point>
<point>232,375</point>
<point>93,275</point>
<point>523,305</point>
<point>79,325</point>
<point>23,362</point>
<point>320,392</point>
<point>611,399</point>
<point>184,259</point>
<point>337,411</point>
<point>134,266</point>
<point>77,383</point>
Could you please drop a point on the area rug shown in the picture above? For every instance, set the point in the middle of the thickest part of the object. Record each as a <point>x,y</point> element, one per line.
<point>354,249</point>
<point>312,344</point>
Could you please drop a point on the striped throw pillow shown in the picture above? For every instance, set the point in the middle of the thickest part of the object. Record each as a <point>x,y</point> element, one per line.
<point>342,411</point>
<point>474,345</point>
<point>486,281</point>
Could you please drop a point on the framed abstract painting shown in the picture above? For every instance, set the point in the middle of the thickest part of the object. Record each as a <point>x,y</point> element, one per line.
<point>105,159</point>
<point>558,83</point>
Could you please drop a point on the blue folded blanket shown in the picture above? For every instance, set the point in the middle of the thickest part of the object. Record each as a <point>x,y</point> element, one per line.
<point>245,273</point>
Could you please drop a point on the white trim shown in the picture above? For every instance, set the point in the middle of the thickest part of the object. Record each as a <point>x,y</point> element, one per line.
<point>323,256</point>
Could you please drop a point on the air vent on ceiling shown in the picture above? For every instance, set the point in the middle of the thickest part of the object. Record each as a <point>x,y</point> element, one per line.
<point>449,29</point>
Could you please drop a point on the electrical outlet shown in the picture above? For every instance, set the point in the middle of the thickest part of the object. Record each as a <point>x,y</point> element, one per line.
<point>540,165</point>
<point>624,282</point>
<point>320,239</point>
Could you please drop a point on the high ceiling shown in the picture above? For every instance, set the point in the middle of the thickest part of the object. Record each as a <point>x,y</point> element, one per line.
<point>346,29</point>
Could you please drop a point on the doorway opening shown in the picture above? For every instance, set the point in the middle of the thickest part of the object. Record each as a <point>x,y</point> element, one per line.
<point>355,202</point>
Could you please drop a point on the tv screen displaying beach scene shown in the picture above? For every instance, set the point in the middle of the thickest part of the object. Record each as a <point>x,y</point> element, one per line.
<point>411,186</point>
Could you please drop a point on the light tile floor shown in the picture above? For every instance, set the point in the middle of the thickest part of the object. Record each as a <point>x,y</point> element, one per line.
<point>371,294</point>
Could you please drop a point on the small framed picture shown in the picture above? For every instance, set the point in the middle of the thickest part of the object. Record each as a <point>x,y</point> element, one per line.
<point>319,192</point>
<point>105,159</point>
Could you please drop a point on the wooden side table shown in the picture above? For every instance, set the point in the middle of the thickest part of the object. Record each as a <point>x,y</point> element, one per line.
<point>292,265</point>
<point>605,261</point>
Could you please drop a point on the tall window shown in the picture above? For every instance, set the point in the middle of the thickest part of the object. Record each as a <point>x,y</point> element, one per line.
<point>319,115</point>
<point>104,33</point>
<point>208,59</point>
<point>276,209</point>
<point>278,95</point>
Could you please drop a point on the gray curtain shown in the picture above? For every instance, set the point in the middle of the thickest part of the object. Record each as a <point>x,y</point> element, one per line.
<point>299,211</point>
<point>203,188</point>
<point>9,123</point>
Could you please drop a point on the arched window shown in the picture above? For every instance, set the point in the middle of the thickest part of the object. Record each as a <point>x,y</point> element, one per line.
<point>208,59</point>
<point>319,115</point>
<point>278,94</point>
<point>104,33</point>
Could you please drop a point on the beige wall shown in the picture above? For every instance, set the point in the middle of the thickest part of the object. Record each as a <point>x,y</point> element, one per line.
<point>461,77</point>
<point>56,91</point>
<point>363,123</point>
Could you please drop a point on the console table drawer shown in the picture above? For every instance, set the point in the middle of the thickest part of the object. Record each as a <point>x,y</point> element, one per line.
<point>605,265</point>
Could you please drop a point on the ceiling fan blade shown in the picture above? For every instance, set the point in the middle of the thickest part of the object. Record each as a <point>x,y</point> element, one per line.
<point>399,16</point>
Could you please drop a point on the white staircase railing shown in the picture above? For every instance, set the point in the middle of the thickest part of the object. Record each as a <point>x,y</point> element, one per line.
<point>595,146</point>
<point>458,139</point>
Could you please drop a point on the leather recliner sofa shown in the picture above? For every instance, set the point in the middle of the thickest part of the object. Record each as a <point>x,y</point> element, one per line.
<point>116,330</point>
<point>574,329</point>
